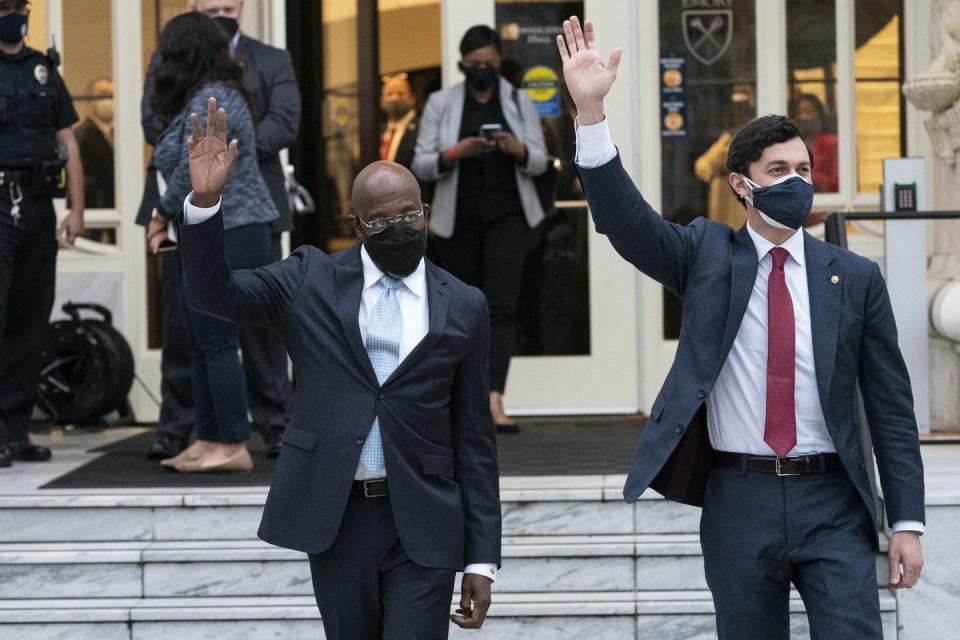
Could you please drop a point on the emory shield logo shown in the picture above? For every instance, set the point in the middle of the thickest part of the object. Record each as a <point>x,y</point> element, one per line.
<point>707,33</point>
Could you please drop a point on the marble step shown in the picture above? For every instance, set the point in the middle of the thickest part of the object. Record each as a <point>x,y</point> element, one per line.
<point>537,616</point>
<point>251,568</point>
<point>562,505</point>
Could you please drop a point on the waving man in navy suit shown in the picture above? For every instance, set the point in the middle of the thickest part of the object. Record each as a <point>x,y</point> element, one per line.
<point>387,476</point>
<point>756,419</point>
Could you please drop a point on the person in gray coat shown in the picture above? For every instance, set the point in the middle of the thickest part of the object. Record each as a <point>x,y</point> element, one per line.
<point>481,144</point>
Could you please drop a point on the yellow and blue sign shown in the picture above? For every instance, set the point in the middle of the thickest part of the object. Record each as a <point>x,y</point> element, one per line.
<point>542,84</point>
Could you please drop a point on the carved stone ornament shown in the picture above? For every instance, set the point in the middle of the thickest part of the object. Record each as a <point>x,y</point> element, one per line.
<point>937,89</point>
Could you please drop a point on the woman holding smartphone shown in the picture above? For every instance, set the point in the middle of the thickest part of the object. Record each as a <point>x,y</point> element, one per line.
<point>480,141</point>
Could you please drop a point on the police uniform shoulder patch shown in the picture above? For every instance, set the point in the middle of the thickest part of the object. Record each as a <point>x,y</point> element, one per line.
<point>41,73</point>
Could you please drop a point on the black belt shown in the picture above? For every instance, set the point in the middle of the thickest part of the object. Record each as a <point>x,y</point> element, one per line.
<point>796,466</point>
<point>371,488</point>
<point>16,176</point>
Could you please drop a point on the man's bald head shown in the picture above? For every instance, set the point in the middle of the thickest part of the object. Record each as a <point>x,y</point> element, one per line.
<point>385,189</point>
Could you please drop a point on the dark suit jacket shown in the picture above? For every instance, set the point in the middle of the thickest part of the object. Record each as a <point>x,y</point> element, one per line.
<point>268,75</point>
<point>96,154</point>
<point>713,268</point>
<point>404,155</point>
<point>434,411</point>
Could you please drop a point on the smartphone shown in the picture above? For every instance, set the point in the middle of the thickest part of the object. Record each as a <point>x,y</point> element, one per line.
<point>489,131</point>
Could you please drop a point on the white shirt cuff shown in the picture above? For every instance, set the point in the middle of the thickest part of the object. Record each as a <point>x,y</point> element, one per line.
<point>485,570</point>
<point>907,525</point>
<point>594,145</point>
<point>196,215</point>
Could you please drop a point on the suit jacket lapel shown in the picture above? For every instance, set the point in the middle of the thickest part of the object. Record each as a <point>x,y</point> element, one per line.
<point>743,275</point>
<point>349,288</point>
<point>825,300</point>
<point>438,301</point>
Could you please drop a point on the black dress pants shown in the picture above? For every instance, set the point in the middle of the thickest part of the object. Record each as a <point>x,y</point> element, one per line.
<point>489,255</point>
<point>28,268</point>
<point>176,393</point>
<point>368,588</point>
<point>265,366</point>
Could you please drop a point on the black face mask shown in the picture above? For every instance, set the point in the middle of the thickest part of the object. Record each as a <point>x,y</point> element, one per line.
<point>230,25</point>
<point>13,28</point>
<point>480,78</point>
<point>397,250</point>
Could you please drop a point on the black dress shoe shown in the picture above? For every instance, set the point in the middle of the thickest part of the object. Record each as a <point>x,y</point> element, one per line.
<point>274,438</point>
<point>6,458</point>
<point>27,452</point>
<point>165,445</point>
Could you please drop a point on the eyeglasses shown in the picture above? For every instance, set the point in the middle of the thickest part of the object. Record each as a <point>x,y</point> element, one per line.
<point>410,219</point>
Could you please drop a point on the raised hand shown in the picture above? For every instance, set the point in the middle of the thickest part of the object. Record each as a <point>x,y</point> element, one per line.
<point>588,79</point>
<point>211,158</point>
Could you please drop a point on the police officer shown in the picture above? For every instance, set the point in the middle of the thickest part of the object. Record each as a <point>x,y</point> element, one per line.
<point>36,113</point>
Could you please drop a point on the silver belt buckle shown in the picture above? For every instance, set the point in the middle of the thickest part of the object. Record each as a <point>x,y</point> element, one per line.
<point>366,488</point>
<point>780,472</point>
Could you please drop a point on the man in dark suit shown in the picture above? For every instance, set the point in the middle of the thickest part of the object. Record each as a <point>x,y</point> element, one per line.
<point>388,474</point>
<point>95,139</point>
<point>399,136</point>
<point>269,75</point>
<point>756,420</point>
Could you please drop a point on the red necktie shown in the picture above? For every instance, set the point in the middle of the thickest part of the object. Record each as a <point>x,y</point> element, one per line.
<point>385,143</point>
<point>780,430</point>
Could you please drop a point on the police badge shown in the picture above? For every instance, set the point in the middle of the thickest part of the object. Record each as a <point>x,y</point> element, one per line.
<point>41,73</point>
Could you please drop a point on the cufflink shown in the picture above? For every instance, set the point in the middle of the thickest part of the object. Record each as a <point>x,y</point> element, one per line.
<point>835,279</point>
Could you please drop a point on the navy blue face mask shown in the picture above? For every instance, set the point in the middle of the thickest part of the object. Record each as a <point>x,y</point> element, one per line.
<point>13,28</point>
<point>784,203</point>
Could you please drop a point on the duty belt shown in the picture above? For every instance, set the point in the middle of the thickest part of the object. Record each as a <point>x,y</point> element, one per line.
<point>16,176</point>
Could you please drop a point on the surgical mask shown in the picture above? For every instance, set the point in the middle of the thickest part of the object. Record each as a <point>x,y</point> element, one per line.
<point>480,78</point>
<point>13,28</point>
<point>784,203</point>
<point>398,249</point>
<point>396,109</point>
<point>230,25</point>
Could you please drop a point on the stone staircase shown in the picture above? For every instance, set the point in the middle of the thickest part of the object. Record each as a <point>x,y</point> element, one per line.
<point>186,564</point>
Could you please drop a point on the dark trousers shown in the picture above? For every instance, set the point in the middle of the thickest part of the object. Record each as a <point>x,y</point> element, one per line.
<point>176,394</point>
<point>366,586</point>
<point>490,256</point>
<point>28,268</point>
<point>265,365</point>
<point>218,385</point>
<point>760,532</point>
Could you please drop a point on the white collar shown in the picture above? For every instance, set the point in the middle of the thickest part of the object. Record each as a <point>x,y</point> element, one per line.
<point>416,282</point>
<point>793,244</point>
<point>234,43</point>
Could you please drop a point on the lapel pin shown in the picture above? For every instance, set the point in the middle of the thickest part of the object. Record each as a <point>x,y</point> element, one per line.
<point>835,279</point>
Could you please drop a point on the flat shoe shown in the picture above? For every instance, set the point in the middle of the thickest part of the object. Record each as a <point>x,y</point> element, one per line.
<point>238,463</point>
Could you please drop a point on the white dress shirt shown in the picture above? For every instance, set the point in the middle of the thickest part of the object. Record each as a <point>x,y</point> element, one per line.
<point>736,406</point>
<point>414,314</point>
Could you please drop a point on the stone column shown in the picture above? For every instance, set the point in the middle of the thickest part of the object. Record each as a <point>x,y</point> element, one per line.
<point>937,90</point>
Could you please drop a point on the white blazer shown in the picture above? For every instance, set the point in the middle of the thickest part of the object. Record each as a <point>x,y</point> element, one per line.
<point>440,129</point>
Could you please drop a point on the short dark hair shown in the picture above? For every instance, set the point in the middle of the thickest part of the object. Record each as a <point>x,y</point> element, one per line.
<point>478,37</point>
<point>749,142</point>
<point>13,5</point>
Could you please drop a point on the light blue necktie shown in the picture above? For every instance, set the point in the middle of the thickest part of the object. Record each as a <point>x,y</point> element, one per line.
<point>383,348</point>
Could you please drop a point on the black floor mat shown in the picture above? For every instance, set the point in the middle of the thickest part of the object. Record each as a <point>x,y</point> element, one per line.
<point>545,446</point>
